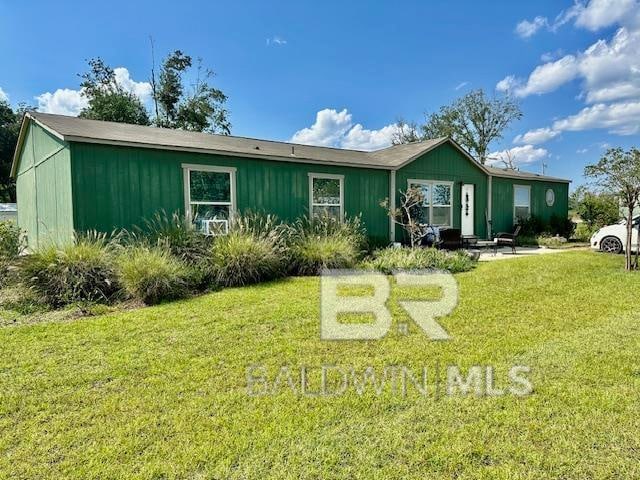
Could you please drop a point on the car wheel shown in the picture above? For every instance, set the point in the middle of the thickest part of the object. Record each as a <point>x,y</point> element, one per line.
<point>611,245</point>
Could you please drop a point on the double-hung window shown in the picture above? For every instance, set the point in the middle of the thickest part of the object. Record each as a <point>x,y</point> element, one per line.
<point>437,201</point>
<point>209,197</point>
<point>521,202</point>
<point>326,195</point>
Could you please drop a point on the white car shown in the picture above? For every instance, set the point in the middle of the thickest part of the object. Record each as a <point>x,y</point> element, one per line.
<point>612,238</point>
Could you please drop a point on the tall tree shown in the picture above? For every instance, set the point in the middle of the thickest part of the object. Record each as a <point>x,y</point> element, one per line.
<point>474,121</point>
<point>107,99</point>
<point>201,110</point>
<point>10,121</point>
<point>404,132</point>
<point>595,208</point>
<point>618,173</point>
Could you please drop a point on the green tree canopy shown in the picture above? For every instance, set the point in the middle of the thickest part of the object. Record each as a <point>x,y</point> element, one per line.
<point>473,121</point>
<point>107,99</point>
<point>597,209</point>
<point>202,109</point>
<point>10,121</point>
<point>618,173</point>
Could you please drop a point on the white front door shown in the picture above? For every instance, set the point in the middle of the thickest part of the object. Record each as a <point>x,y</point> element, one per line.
<point>467,201</point>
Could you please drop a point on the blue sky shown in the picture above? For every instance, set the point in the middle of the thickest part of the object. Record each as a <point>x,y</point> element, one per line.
<point>338,73</point>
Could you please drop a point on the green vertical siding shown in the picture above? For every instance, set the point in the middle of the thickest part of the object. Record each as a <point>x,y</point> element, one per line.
<point>119,186</point>
<point>502,201</point>
<point>449,164</point>
<point>44,189</point>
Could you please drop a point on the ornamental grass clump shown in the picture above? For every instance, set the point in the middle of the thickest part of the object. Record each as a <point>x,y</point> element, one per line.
<point>390,259</point>
<point>82,272</point>
<point>151,274</point>
<point>325,242</point>
<point>253,251</point>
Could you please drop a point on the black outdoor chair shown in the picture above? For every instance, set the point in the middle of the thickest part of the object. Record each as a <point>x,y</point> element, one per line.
<point>504,239</point>
<point>450,239</point>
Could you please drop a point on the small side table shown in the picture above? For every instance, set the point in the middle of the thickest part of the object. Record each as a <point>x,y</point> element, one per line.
<point>488,244</point>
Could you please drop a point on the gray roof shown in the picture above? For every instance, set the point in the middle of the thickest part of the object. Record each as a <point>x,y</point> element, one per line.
<point>74,129</point>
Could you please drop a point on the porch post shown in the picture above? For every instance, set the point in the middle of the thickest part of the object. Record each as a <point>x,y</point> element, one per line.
<point>392,205</point>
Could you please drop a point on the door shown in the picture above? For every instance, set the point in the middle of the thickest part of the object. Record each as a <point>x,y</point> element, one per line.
<point>467,200</point>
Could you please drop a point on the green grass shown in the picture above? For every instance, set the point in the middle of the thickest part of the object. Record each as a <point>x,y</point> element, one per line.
<point>161,392</point>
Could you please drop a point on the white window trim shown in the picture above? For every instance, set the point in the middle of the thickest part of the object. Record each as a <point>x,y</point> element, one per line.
<point>431,183</point>
<point>326,176</point>
<point>187,168</point>
<point>528,187</point>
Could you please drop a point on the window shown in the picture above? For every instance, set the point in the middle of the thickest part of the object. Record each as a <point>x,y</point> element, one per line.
<point>438,203</point>
<point>550,197</point>
<point>209,197</point>
<point>326,195</point>
<point>521,202</point>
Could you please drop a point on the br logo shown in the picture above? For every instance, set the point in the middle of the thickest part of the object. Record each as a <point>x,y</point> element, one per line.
<point>423,313</point>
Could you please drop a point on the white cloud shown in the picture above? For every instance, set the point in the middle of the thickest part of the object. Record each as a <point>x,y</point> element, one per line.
<point>65,101</point>
<point>523,155</point>
<point>598,14</point>
<point>507,84</point>
<point>141,89</point>
<point>621,118</point>
<point>551,56</point>
<point>609,69</point>
<point>547,77</point>
<point>276,40</point>
<point>336,129</point>
<point>359,138</point>
<point>582,151</point>
<point>594,15</point>
<point>328,130</point>
<point>526,28</point>
<point>534,137</point>
<point>3,96</point>
<point>461,85</point>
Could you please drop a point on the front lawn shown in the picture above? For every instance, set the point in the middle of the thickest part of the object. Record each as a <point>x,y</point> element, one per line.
<point>161,392</point>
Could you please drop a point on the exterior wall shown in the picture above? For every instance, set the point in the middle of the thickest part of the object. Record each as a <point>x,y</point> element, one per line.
<point>119,186</point>
<point>43,184</point>
<point>502,201</point>
<point>447,163</point>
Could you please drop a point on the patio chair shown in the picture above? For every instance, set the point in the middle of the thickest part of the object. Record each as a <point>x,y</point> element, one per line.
<point>504,239</point>
<point>450,239</point>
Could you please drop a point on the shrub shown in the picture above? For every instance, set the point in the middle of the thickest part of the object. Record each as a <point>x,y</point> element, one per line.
<point>324,242</point>
<point>583,232</point>
<point>562,226</point>
<point>389,259</point>
<point>77,273</point>
<point>532,226</point>
<point>11,246</point>
<point>557,225</point>
<point>175,233</point>
<point>551,241</point>
<point>151,274</point>
<point>242,258</point>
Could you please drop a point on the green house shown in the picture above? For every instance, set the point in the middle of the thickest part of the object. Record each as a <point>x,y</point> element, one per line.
<point>75,174</point>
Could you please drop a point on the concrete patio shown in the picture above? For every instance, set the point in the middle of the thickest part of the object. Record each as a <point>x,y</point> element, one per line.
<point>504,253</point>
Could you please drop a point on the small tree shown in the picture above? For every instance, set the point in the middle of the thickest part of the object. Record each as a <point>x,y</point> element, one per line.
<point>409,215</point>
<point>596,209</point>
<point>404,132</point>
<point>618,173</point>
<point>473,121</point>
<point>108,100</point>
<point>201,110</point>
